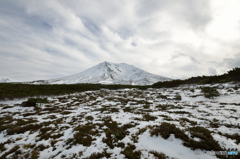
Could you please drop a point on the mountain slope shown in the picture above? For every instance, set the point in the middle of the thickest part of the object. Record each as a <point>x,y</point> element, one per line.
<point>111,73</point>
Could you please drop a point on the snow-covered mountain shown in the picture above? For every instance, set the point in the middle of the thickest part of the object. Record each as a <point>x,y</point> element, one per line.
<point>110,73</point>
<point>7,80</point>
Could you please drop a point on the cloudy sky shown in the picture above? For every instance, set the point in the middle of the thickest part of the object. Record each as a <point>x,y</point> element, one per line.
<point>173,38</point>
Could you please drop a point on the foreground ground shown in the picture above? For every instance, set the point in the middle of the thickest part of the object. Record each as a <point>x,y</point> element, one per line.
<point>128,123</point>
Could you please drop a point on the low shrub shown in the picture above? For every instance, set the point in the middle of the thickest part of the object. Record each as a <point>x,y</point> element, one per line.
<point>187,120</point>
<point>158,155</point>
<point>32,102</point>
<point>164,107</point>
<point>83,135</point>
<point>178,97</point>
<point>2,147</point>
<point>206,143</point>
<point>206,140</point>
<point>22,129</point>
<point>115,133</point>
<point>233,137</point>
<point>166,129</point>
<point>149,117</point>
<point>89,118</point>
<point>13,150</point>
<point>210,92</point>
<point>100,155</point>
<point>130,153</point>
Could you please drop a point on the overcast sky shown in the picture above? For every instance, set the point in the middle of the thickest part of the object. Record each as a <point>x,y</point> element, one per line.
<point>173,38</point>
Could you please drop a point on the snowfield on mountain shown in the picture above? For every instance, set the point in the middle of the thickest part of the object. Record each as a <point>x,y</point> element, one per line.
<point>175,122</point>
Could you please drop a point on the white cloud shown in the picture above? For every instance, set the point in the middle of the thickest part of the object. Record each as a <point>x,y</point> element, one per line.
<point>175,38</point>
<point>226,20</point>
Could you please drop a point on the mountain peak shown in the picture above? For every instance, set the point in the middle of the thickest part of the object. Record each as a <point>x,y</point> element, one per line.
<point>111,73</point>
<point>105,63</point>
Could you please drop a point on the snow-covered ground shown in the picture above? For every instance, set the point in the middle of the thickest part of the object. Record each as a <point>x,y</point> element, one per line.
<point>120,124</point>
